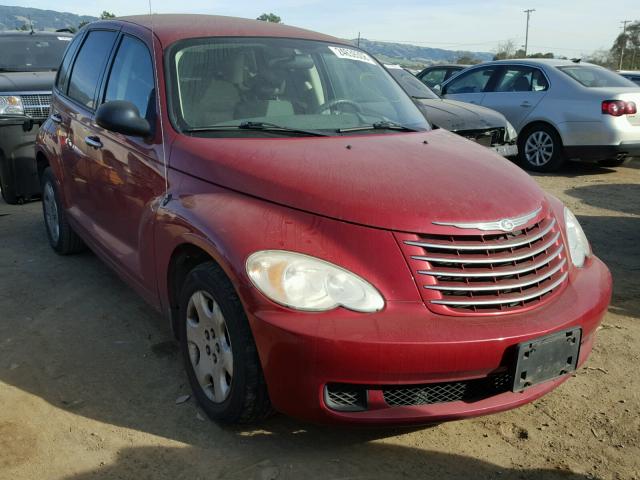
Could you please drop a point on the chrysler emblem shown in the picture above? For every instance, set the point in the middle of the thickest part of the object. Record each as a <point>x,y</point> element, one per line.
<point>506,224</point>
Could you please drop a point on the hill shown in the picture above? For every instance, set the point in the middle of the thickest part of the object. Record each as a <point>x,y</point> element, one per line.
<point>413,55</point>
<point>12,18</point>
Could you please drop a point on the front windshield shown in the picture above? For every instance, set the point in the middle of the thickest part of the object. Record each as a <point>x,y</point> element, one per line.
<point>29,53</point>
<point>592,76</point>
<point>301,84</point>
<point>411,84</point>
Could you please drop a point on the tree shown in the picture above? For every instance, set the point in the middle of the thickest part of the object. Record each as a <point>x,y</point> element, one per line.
<point>467,60</point>
<point>604,58</point>
<point>505,50</point>
<point>23,28</point>
<point>106,15</point>
<point>270,17</point>
<point>630,41</point>
<point>82,24</point>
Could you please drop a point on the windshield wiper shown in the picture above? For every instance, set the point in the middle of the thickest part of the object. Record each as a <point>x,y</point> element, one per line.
<point>262,126</point>
<point>378,126</point>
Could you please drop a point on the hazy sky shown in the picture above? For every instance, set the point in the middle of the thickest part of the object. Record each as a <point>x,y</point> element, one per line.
<point>566,27</point>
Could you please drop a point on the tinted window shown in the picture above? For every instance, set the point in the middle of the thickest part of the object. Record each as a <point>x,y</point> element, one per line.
<point>89,65</point>
<point>592,76</point>
<point>474,81</point>
<point>28,53</point>
<point>434,77</point>
<point>63,74</point>
<point>411,84</point>
<point>132,77</point>
<point>521,79</point>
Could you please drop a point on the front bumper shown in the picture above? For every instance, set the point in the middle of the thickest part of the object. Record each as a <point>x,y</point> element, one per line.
<point>18,168</point>
<point>405,344</point>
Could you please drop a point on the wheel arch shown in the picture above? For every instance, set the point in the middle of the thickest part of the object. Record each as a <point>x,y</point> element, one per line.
<point>533,123</point>
<point>42,162</point>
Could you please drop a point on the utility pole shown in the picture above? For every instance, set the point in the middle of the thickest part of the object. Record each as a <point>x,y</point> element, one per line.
<point>526,38</point>
<point>624,40</point>
<point>358,39</point>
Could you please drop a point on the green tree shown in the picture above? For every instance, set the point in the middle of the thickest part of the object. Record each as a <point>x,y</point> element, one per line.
<point>467,60</point>
<point>270,17</point>
<point>23,28</point>
<point>106,15</point>
<point>82,24</point>
<point>505,50</point>
<point>630,55</point>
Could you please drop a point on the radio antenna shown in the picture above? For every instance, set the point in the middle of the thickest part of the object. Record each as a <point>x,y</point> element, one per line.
<point>167,197</point>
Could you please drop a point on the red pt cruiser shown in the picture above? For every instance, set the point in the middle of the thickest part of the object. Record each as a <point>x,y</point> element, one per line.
<point>317,248</point>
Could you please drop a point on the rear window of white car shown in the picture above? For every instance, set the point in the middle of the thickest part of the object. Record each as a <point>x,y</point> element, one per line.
<point>590,76</point>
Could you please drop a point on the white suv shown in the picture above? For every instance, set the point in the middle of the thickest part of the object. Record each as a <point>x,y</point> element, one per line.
<point>562,109</point>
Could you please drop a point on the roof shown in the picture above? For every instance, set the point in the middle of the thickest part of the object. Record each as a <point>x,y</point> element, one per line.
<point>551,62</point>
<point>172,27</point>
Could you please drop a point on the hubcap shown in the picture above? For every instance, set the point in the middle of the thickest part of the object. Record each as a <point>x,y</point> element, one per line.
<point>51,212</point>
<point>538,148</point>
<point>209,346</point>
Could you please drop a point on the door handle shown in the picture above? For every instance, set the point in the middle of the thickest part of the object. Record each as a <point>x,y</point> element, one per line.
<point>56,118</point>
<point>93,141</point>
<point>525,104</point>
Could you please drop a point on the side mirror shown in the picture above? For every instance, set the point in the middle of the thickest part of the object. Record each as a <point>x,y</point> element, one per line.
<point>122,117</point>
<point>437,89</point>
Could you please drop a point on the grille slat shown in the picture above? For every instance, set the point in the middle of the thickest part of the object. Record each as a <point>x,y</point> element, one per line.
<point>36,106</point>
<point>489,272</point>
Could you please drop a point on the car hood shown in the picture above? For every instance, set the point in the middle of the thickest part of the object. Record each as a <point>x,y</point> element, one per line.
<point>17,82</point>
<point>401,182</point>
<point>458,116</point>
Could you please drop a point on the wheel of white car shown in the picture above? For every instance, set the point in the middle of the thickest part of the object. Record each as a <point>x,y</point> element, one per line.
<point>540,149</point>
<point>219,352</point>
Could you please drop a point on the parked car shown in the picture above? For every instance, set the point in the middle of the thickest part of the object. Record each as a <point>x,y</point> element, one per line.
<point>560,108</point>
<point>316,247</point>
<point>438,74</point>
<point>478,124</point>
<point>27,68</point>
<point>633,75</point>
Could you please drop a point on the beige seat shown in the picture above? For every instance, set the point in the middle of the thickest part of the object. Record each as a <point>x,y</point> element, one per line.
<point>217,104</point>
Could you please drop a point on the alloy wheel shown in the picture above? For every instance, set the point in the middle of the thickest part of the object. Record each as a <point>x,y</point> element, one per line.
<point>209,346</point>
<point>538,148</point>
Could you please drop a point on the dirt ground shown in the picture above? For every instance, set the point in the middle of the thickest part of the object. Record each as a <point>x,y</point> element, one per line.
<point>89,378</point>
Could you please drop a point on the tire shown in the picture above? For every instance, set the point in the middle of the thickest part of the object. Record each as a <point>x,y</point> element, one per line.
<point>61,236</point>
<point>613,162</point>
<point>540,149</point>
<point>214,331</point>
<point>8,192</point>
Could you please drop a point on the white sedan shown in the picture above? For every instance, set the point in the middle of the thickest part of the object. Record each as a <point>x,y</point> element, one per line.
<point>562,109</point>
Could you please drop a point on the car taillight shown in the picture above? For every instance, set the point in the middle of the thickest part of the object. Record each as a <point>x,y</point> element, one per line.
<point>617,108</point>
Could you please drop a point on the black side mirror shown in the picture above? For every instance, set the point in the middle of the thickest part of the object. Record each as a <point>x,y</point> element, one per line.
<point>122,117</point>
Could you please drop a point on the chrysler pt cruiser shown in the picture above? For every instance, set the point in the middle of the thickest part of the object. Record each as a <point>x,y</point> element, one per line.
<point>317,248</point>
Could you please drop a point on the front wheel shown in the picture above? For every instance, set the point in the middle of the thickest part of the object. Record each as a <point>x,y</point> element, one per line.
<point>540,149</point>
<point>219,353</point>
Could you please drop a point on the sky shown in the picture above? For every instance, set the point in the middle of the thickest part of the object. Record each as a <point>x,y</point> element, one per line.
<point>566,27</point>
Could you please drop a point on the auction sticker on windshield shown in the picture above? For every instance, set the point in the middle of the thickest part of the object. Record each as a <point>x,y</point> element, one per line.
<point>351,54</point>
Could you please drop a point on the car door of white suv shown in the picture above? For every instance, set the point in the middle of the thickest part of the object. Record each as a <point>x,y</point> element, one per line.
<point>516,92</point>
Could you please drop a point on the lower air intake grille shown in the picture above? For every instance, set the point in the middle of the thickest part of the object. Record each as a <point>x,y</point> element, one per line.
<point>345,397</point>
<point>428,394</point>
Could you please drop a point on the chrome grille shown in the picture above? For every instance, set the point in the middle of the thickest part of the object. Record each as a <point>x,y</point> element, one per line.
<point>489,273</point>
<point>36,106</point>
<point>429,394</point>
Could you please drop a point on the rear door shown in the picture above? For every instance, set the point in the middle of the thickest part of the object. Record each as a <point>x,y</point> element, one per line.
<point>75,109</point>
<point>470,86</point>
<point>516,92</point>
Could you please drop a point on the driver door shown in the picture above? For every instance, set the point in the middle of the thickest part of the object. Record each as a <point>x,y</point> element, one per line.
<point>470,86</point>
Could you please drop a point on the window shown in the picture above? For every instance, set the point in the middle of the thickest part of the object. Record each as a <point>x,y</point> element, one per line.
<point>521,79</point>
<point>220,83</point>
<point>474,81</point>
<point>131,76</point>
<point>31,53</point>
<point>411,84</point>
<point>89,65</point>
<point>592,76</point>
<point>63,73</point>
<point>434,77</point>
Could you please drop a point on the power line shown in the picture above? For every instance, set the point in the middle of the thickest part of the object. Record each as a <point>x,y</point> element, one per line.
<point>526,38</point>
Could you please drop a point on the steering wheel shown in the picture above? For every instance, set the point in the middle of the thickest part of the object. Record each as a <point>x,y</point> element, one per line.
<point>339,101</point>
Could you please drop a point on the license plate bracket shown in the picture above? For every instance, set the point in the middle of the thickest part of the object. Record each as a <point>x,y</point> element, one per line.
<point>545,358</point>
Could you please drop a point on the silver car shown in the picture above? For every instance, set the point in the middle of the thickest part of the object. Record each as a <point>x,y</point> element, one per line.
<point>562,109</point>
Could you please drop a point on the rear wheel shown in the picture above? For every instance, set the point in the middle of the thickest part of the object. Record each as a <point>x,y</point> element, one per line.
<point>220,355</point>
<point>61,236</point>
<point>540,149</point>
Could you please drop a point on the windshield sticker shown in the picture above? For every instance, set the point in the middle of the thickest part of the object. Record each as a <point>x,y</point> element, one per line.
<point>65,39</point>
<point>350,54</point>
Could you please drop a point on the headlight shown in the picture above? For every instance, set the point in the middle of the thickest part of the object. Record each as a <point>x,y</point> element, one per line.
<point>578,244</point>
<point>306,283</point>
<point>511,132</point>
<point>11,105</point>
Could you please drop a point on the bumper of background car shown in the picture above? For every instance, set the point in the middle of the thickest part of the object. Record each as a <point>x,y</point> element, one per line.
<point>603,152</point>
<point>405,345</point>
<point>17,155</point>
<point>506,150</point>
